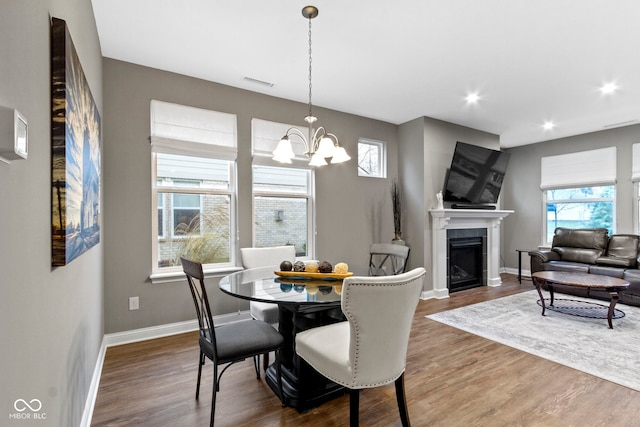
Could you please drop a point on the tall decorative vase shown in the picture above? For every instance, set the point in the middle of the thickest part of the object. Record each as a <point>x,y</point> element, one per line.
<point>398,240</point>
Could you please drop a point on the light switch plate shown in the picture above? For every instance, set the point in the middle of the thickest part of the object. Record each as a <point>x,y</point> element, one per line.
<point>14,135</point>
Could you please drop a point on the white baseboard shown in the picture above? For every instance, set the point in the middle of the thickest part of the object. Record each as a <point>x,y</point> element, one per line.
<point>514,271</point>
<point>143,334</point>
<point>87,414</point>
<point>434,294</point>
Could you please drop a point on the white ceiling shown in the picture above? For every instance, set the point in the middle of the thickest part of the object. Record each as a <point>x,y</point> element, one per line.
<point>530,61</point>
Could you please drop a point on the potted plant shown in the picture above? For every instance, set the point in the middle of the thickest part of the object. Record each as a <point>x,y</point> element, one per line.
<point>396,204</point>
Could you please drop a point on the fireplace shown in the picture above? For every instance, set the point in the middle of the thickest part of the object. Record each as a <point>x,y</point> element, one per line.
<point>443,223</point>
<point>466,261</point>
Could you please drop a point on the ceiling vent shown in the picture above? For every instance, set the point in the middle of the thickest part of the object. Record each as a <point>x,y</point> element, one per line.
<point>256,81</point>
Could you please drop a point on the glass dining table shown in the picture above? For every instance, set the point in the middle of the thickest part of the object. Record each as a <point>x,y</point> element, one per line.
<point>302,304</point>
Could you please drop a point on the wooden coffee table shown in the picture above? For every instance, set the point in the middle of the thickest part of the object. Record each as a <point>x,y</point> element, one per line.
<point>581,280</point>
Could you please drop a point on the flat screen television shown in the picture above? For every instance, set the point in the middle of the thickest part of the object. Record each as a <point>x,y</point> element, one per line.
<point>475,176</point>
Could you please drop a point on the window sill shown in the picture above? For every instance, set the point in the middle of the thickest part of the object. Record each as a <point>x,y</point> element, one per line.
<point>178,276</point>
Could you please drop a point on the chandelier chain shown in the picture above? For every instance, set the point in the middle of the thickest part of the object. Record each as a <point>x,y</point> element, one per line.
<point>310,61</point>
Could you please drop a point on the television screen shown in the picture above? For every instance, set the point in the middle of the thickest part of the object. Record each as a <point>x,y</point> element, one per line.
<point>476,174</point>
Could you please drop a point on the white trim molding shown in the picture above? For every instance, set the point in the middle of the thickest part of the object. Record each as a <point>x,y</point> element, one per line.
<point>451,219</point>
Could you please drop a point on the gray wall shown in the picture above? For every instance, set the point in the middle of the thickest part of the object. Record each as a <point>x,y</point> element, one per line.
<point>426,150</point>
<point>349,216</point>
<point>522,186</point>
<point>51,318</point>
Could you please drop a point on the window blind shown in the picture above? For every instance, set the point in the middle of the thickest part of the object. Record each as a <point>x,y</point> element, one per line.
<point>581,169</point>
<point>266,135</point>
<point>180,129</point>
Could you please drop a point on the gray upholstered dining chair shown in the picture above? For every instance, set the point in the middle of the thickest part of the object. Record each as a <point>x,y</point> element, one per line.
<point>370,348</point>
<point>387,259</point>
<point>229,343</point>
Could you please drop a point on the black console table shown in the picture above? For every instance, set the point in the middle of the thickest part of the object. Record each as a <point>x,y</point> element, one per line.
<point>520,252</point>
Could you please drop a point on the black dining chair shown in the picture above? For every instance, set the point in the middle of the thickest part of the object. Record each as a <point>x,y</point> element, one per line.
<point>387,259</point>
<point>229,343</point>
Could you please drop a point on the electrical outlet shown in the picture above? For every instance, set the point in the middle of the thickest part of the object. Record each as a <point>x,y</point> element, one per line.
<point>134,303</point>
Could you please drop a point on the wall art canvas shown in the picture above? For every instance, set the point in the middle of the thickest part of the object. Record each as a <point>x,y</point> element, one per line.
<point>75,153</point>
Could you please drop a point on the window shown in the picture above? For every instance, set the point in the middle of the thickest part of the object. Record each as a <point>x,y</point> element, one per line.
<point>371,158</point>
<point>579,190</point>
<point>584,207</point>
<point>194,186</point>
<point>283,196</point>
<point>281,207</point>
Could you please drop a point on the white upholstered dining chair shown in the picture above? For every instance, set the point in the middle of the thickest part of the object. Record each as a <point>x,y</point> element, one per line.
<point>264,257</point>
<point>370,348</point>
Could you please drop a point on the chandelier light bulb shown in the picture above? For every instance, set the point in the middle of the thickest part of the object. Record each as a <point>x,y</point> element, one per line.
<point>340,156</point>
<point>317,160</point>
<point>326,147</point>
<point>284,152</point>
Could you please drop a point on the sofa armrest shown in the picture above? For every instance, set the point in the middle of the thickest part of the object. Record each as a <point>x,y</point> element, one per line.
<point>540,257</point>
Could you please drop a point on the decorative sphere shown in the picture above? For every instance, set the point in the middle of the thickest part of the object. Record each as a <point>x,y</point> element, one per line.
<point>325,267</point>
<point>311,267</point>
<point>298,266</point>
<point>341,268</point>
<point>286,266</point>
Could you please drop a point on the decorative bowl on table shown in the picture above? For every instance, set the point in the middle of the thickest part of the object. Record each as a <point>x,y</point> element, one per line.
<point>307,275</point>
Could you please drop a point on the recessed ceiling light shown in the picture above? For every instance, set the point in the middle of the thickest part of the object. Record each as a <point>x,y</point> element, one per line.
<point>472,98</point>
<point>608,88</point>
<point>548,125</point>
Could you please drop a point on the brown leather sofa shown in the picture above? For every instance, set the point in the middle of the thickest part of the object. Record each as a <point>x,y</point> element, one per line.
<point>592,250</point>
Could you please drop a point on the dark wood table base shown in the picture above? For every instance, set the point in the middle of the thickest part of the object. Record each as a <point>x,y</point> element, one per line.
<point>303,387</point>
<point>587,309</point>
<point>580,280</point>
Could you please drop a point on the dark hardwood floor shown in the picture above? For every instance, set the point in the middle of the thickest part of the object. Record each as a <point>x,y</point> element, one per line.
<point>453,378</point>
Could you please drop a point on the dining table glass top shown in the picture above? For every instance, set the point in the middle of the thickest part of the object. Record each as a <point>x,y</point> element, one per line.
<point>262,284</point>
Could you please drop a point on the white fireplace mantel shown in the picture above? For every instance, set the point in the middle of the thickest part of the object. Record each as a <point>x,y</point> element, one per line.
<point>452,219</point>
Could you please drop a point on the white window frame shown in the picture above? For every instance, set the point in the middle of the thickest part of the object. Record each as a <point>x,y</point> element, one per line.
<point>636,204</point>
<point>545,200</point>
<point>382,161</point>
<point>635,178</point>
<point>161,212</point>
<point>216,142</point>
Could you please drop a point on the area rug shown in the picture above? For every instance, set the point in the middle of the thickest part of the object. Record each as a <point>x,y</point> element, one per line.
<point>580,343</point>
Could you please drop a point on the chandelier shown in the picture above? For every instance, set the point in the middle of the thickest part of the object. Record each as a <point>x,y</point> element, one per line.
<point>319,144</point>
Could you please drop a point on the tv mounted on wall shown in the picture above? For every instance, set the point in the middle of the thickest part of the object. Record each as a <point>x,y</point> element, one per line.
<point>475,176</point>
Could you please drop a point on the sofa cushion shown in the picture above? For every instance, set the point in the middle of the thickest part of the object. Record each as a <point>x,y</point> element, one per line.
<point>604,270</point>
<point>622,251</point>
<point>575,267</point>
<point>615,261</point>
<point>580,245</point>
<point>587,238</point>
<point>633,277</point>
<point>583,255</point>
